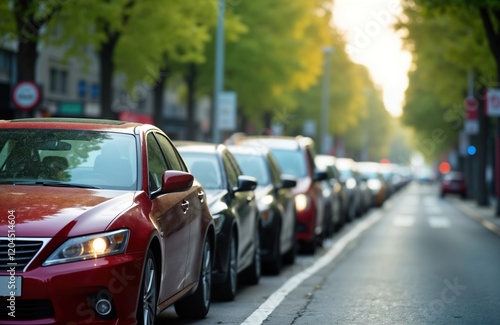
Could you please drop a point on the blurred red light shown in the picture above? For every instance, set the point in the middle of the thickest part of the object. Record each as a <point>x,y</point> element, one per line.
<point>444,168</point>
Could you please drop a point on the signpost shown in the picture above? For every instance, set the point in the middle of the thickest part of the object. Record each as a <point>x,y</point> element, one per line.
<point>493,102</point>
<point>26,95</point>
<point>226,111</point>
<point>471,125</point>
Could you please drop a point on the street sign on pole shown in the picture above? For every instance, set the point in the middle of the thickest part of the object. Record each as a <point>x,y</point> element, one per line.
<point>471,125</point>
<point>26,95</point>
<point>493,102</point>
<point>226,111</point>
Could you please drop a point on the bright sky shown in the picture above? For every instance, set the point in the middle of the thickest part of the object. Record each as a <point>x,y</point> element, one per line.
<point>367,25</point>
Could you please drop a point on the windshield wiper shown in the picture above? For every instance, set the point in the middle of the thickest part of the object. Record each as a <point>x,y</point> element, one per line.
<point>49,183</point>
<point>61,184</point>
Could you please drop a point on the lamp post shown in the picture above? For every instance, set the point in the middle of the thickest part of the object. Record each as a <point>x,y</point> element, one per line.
<point>324,118</point>
<point>219,70</point>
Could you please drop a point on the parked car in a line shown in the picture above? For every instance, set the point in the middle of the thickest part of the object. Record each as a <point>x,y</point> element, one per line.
<point>333,191</point>
<point>375,181</point>
<point>295,156</point>
<point>350,180</point>
<point>453,183</point>
<point>233,205</point>
<point>109,225</point>
<point>276,203</point>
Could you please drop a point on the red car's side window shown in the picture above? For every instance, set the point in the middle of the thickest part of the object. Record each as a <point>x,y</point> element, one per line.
<point>156,163</point>
<point>171,154</point>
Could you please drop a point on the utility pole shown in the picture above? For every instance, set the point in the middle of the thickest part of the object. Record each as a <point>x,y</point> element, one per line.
<point>219,70</point>
<point>482,150</point>
<point>325,105</point>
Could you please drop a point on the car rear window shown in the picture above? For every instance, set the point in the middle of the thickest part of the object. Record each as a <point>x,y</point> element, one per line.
<point>291,162</point>
<point>255,166</point>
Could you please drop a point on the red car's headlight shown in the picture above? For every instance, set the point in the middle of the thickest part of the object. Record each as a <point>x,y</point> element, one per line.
<point>89,246</point>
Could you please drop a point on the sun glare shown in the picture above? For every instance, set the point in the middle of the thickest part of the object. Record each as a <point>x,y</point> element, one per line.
<point>371,41</point>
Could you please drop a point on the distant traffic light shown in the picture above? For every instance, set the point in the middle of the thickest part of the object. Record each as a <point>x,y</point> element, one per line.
<point>444,167</point>
<point>471,150</point>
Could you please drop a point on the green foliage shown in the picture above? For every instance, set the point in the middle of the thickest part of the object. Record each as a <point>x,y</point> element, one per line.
<point>280,52</point>
<point>447,39</point>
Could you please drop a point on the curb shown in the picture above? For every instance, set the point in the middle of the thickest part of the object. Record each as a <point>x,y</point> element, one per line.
<point>469,212</point>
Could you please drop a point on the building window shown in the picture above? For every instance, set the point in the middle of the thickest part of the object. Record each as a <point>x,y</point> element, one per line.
<point>58,81</point>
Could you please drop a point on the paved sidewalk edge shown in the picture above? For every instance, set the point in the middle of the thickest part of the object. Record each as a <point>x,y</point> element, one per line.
<point>476,216</point>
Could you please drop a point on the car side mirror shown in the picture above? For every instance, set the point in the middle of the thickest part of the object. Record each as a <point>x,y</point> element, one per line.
<point>245,183</point>
<point>288,181</point>
<point>176,181</point>
<point>320,175</point>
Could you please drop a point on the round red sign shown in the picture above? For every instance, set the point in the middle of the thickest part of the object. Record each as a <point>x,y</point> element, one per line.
<point>26,95</point>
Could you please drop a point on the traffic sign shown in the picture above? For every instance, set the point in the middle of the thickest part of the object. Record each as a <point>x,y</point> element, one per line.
<point>493,102</point>
<point>26,95</point>
<point>226,111</point>
<point>471,105</point>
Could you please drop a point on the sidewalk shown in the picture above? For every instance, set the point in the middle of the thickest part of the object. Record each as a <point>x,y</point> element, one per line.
<point>484,215</point>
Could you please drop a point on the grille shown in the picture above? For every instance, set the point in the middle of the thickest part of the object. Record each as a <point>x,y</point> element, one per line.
<point>28,309</point>
<point>25,250</point>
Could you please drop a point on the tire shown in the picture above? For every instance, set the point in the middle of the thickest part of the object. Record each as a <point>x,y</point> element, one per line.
<point>197,305</point>
<point>252,273</point>
<point>148,299</point>
<point>289,257</point>
<point>351,212</point>
<point>274,267</point>
<point>309,247</point>
<point>226,290</point>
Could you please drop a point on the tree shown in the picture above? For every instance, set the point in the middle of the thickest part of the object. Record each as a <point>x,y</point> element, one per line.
<point>438,83</point>
<point>23,22</point>
<point>138,39</point>
<point>280,52</point>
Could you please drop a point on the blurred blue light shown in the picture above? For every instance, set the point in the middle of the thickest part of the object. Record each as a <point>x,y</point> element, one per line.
<point>471,150</point>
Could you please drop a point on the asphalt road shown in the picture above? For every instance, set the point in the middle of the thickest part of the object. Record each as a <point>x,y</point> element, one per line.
<point>418,260</point>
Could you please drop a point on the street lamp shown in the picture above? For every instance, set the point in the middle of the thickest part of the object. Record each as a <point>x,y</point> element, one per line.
<point>324,118</point>
<point>219,70</point>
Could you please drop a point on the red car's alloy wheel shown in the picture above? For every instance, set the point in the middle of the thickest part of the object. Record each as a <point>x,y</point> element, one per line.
<point>146,312</point>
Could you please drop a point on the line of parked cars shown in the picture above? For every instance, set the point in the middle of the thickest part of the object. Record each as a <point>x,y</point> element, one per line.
<point>111,222</point>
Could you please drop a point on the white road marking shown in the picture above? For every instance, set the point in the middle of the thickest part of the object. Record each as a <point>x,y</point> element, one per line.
<point>403,221</point>
<point>438,222</point>
<point>433,210</point>
<point>430,201</point>
<point>261,314</point>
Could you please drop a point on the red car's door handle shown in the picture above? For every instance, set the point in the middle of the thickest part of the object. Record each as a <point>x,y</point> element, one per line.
<point>185,206</point>
<point>201,196</point>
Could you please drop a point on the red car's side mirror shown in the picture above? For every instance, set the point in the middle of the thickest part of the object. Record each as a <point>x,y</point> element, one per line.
<point>176,181</point>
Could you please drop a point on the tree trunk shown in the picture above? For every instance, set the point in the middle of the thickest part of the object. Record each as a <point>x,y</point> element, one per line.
<point>493,36</point>
<point>26,60</point>
<point>191,101</point>
<point>159,96</point>
<point>106,77</point>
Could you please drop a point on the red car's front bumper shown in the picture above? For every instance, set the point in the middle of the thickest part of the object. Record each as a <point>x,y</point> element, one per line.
<point>66,293</point>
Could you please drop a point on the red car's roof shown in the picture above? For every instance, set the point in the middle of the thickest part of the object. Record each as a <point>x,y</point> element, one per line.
<point>71,124</point>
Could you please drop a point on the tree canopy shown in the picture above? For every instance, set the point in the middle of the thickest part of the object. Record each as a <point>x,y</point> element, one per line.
<point>447,40</point>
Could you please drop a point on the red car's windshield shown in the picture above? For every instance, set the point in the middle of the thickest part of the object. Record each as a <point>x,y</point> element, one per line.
<point>68,157</point>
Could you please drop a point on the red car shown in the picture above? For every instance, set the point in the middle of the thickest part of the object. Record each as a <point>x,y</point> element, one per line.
<point>453,183</point>
<point>101,224</point>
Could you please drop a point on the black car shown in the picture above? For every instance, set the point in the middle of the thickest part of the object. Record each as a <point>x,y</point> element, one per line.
<point>338,195</point>
<point>276,203</point>
<point>232,202</point>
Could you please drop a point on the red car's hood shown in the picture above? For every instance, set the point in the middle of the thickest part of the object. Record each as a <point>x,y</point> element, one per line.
<point>42,211</point>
